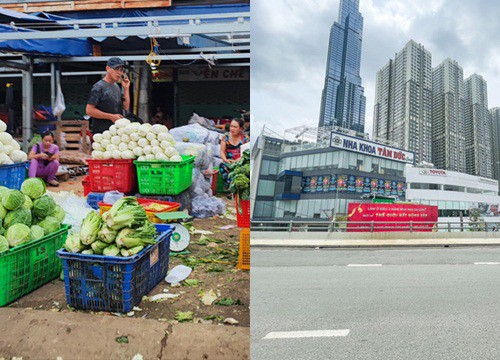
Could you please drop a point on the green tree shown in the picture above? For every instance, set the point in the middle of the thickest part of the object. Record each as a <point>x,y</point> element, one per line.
<point>476,222</point>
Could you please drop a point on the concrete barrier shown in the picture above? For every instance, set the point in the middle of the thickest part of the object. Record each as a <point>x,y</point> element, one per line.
<point>339,239</point>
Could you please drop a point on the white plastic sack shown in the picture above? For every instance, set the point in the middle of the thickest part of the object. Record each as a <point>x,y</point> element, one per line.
<point>59,105</point>
<point>194,133</point>
<point>75,206</point>
<point>112,196</point>
<point>202,160</point>
<point>207,206</point>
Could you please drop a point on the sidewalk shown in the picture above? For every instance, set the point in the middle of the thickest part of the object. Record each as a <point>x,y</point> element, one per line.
<point>37,334</point>
<point>312,242</point>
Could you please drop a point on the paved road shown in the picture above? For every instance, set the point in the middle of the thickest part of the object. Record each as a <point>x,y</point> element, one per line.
<point>409,304</point>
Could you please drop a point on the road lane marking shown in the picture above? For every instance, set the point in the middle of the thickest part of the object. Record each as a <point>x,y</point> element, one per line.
<point>487,263</point>
<point>306,334</point>
<point>364,265</point>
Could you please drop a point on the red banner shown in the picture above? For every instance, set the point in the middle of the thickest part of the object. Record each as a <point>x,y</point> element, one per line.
<point>391,217</point>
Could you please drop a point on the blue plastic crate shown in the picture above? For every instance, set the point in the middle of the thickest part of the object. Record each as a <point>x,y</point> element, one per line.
<point>108,283</point>
<point>13,176</point>
<point>94,198</point>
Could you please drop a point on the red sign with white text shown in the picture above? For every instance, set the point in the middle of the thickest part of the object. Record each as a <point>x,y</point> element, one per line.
<point>391,217</point>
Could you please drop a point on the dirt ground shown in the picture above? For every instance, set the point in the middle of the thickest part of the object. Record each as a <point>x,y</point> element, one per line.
<point>214,259</point>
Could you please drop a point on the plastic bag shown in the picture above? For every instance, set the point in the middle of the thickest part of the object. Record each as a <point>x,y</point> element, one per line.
<point>59,106</point>
<point>75,206</point>
<point>207,206</point>
<point>202,160</point>
<point>194,133</point>
<point>112,196</point>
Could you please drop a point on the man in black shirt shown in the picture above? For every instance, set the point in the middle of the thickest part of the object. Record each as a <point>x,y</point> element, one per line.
<point>106,102</point>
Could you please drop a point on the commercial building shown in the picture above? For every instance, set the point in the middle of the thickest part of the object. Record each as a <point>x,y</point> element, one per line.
<point>448,127</point>
<point>298,177</point>
<point>343,101</point>
<point>403,102</point>
<point>454,193</point>
<point>495,141</point>
<point>477,128</point>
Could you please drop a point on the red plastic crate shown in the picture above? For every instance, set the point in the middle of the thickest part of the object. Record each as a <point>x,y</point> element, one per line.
<point>86,185</point>
<point>108,175</point>
<point>243,218</point>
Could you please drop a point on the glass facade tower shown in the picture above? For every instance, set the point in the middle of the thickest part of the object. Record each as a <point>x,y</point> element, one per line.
<point>343,101</point>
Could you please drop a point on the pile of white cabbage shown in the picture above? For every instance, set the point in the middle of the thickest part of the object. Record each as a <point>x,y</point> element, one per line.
<point>132,140</point>
<point>10,150</point>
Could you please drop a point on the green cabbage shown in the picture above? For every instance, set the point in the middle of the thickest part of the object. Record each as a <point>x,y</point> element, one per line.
<point>73,243</point>
<point>37,232</point>
<point>2,230</point>
<point>3,211</point>
<point>129,238</point>
<point>59,214</point>
<point>13,200</point>
<point>90,228</point>
<point>99,246</point>
<point>88,252</point>
<point>33,187</point>
<point>43,206</point>
<point>106,234</point>
<point>21,216</point>
<point>4,244</point>
<point>3,190</point>
<point>111,250</point>
<point>50,225</point>
<point>18,234</point>
<point>28,203</point>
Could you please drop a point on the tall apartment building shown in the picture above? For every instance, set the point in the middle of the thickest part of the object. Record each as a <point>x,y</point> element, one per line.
<point>477,128</point>
<point>495,141</point>
<point>403,101</point>
<point>448,127</point>
<point>343,102</point>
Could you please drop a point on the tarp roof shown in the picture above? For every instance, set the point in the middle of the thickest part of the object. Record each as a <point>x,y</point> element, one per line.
<point>72,34</point>
<point>46,47</point>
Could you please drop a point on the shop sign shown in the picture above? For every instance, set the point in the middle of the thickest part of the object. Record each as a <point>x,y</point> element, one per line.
<point>391,217</point>
<point>163,75</point>
<point>215,74</point>
<point>361,146</point>
<point>433,172</point>
<point>488,181</point>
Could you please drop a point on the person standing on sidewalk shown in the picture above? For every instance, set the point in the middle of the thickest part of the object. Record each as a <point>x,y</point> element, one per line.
<point>44,158</point>
<point>107,101</point>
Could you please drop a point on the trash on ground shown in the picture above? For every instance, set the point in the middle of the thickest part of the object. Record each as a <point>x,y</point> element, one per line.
<point>231,321</point>
<point>208,298</point>
<point>122,339</point>
<point>178,274</point>
<point>183,316</point>
<point>227,227</point>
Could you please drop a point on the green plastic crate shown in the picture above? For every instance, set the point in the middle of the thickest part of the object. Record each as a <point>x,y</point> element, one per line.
<point>221,185</point>
<point>29,266</point>
<point>165,177</point>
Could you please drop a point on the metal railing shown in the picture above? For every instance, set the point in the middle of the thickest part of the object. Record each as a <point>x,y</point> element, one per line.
<point>371,226</point>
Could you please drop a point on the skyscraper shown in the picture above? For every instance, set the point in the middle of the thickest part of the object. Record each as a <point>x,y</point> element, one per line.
<point>448,132</point>
<point>477,127</point>
<point>343,101</point>
<point>403,102</point>
<point>495,141</point>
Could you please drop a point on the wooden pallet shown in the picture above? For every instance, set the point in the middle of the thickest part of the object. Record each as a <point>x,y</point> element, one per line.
<point>73,130</point>
<point>78,5</point>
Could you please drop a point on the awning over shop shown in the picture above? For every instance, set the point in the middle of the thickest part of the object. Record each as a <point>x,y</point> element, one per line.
<point>46,47</point>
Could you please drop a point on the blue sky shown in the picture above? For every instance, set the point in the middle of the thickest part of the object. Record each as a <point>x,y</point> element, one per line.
<point>290,43</point>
